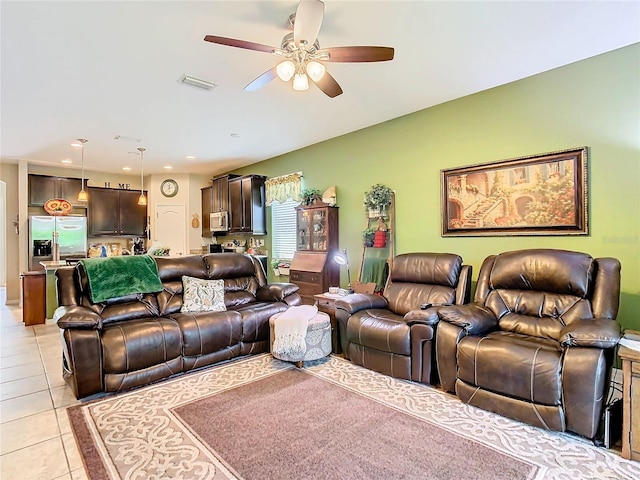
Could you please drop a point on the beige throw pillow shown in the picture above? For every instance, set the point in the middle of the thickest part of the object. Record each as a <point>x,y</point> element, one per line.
<point>200,295</point>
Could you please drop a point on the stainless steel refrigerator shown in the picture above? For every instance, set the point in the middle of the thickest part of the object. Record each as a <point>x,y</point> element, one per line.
<point>56,238</point>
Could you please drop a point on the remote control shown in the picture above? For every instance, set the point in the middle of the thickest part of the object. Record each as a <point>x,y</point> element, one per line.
<point>424,306</point>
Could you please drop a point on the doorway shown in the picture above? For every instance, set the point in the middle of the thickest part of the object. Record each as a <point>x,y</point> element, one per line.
<point>171,228</point>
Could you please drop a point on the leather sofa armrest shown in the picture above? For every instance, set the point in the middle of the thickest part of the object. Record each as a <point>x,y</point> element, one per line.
<point>276,292</point>
<point>359,301</point>
<point>598,333</point>
<point>424,317</point>
<point>77,317</point>
<point>473,318</point>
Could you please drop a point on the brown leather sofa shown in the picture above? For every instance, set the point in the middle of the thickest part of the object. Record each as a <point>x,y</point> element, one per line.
<point>392,334</point>
<point>538,342</point>
<point>137,339</point>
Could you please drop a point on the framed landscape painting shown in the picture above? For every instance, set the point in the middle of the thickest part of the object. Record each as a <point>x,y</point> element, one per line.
<point>544,194</point>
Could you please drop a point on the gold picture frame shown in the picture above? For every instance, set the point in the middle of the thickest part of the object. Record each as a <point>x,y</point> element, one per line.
<point>543,194</point>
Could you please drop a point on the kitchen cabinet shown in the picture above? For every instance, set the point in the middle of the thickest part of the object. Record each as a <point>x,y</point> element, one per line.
<point>206,193</point>
<point>44,187</point>
<point>246,205</point>
<point>116,212</point>
<point>215,198</point>
<point>312,267</point>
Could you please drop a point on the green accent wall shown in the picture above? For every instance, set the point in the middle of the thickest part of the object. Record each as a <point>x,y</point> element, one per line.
<point>594,102</point>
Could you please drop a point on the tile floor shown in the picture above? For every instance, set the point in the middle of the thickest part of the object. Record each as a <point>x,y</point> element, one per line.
<point>36,442</point>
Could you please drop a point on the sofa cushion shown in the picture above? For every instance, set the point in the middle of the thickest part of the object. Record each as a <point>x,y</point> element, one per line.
<point>137,344</point>
<point>380,329</point>
<point>255,319</point>
<point>207,332</point>
<point>202,295</point>
<point>535,366</point>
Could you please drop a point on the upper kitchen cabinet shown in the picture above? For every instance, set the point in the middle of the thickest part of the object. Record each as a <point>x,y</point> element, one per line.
<point>246,205</point>
<point>206,194</point>
<point>116,212</point>
<point>44,187</point>
<point>215,199</point>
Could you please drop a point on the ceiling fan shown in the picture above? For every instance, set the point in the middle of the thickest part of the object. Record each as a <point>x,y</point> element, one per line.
<point>302,56</point>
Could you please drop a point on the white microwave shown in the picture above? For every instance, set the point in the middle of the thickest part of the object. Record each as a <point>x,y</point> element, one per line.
<point>219,221</point>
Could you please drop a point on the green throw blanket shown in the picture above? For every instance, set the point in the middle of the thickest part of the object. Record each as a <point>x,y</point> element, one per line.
<point>114,277</point>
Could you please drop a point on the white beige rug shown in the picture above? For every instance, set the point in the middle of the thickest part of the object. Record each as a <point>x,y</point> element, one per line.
<point>138,435</point>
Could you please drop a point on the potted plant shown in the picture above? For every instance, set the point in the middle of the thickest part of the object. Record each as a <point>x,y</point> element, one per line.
<point>283,268</point>
<point>367,237</point>
<point>309,195</point>
<point>377,199</point>
<point>274,264</point>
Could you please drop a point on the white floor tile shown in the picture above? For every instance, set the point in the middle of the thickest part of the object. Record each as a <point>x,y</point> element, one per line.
<point>24,406</point>
<point>17,350</point>
<point>63,420</point>
<point>15,360</point>
<point>45,461</point>
<point>28,431</point>
<point>10,374</point>
<point>63,397</point>
<point>23,386</point>
<point>71,450</point>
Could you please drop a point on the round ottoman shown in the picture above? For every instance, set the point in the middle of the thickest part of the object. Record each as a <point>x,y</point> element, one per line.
<point>317,340</point>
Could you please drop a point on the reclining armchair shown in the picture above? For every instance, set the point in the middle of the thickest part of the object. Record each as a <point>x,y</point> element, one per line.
<point>538,342</point>
<point>392,334</point>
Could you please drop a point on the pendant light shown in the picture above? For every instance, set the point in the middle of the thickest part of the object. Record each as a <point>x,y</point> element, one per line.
<point>142,200</point>
<point>82,195</point>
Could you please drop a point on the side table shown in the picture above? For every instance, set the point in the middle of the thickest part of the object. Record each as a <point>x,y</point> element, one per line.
<point>630,401</point>
<point>326,303</point>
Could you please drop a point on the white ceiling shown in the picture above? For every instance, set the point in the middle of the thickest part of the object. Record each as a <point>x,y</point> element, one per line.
<point>97,69</point>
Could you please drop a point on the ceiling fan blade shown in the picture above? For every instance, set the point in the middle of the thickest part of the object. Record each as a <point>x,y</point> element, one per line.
<point>262,80</point>
<point>232,42</point>
<point>329,85</point>
<point>358,54</point>
<point>308,20</point>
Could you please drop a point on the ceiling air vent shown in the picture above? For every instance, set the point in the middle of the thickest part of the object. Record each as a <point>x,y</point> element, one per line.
<point>196,82</point>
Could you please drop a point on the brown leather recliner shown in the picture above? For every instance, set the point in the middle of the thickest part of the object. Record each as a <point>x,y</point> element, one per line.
<point>392,334</point>
<point>538,342</point>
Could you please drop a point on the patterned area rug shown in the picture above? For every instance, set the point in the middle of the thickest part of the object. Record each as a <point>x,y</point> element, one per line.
<point>192,428</point>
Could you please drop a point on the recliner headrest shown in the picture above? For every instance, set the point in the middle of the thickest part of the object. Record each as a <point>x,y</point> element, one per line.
<point>545,270</point>
<point>427,268</point>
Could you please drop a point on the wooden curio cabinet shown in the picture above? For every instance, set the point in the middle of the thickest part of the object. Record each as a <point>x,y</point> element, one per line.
<point>312,267</point>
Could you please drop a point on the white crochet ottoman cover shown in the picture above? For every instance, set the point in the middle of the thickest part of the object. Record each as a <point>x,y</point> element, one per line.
<point>318,340</point>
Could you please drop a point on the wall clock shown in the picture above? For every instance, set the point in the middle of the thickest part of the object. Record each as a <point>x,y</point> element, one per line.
<point>169,188</point>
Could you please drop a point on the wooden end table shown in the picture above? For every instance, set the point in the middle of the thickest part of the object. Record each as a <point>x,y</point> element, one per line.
<point>630,401</point>
<point>326,303</point>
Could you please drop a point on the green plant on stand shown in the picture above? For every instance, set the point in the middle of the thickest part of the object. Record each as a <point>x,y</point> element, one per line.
<point>367,237</point>
<point>377,200</point>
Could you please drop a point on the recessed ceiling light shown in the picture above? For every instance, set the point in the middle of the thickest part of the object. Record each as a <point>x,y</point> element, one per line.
<point>191,157</point>
<point>66,160</point>
<point>126,169</point>
<point>167,167</point>
<point>235,135</point>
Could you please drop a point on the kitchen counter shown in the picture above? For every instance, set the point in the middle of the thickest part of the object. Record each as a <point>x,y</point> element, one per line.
<point>50,267</point>
<point>53,264</point>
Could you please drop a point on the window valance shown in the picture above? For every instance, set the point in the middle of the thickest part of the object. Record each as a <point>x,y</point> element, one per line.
<point>278,189</point>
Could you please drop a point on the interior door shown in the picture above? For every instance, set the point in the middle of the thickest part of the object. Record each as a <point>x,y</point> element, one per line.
<point>171,228</point>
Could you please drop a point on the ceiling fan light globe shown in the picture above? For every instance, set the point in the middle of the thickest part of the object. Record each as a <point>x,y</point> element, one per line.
<point>316,71</point>
<point>285,70</point>
<point>142,200</point>
<point>300,82</point>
